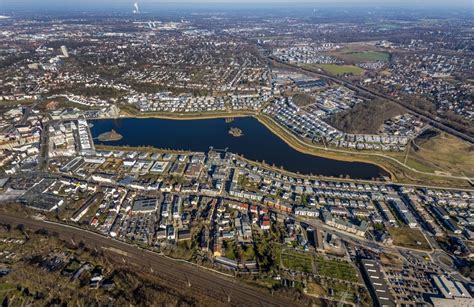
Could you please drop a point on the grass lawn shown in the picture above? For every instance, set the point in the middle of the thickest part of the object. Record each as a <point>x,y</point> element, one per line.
<point>417,164</point>
<point>343,291</point>
<point>361,53</point>
<point>230,251</point>
<point>296,261</point>
<point>72,266</point>
<point>443,153</point>
<point>244,182</point>
<point>6,286</point>
<point>247,253</point>
<point>340,291</point>
<point>336,69</point>
<point>409,237</point>
<point>336,269</point>
<point>369,56</point>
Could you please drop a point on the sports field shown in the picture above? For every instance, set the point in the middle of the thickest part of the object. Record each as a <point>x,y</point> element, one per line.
<point>369,56</point>
<point>336,69</point>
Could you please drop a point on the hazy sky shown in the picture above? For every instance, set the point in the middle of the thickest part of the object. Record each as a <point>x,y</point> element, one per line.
<point>8,4</point>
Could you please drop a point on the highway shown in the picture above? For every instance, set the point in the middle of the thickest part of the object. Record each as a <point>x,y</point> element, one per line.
<point>425,116</point>
<point>178,275</point>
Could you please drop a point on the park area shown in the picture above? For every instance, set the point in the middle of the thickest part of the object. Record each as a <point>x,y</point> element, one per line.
<point>368,56</point>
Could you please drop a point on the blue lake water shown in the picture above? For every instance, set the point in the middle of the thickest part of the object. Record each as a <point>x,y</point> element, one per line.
<point>257,143</point>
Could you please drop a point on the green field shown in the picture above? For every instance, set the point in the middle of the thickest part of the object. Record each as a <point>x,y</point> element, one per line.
<point>370,56</point>
<point>230,251</point>
<point>296,261</point>
<point>443,153</point>
<point>342,270</point>
<point>247,253</point>
<point>6,287</point>
<point>336,69</point>
<point>409,237</point>
<point>72,266</point>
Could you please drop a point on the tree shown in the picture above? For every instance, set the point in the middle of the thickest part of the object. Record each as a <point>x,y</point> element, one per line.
<point>20,227</point>
<point>42,232</point>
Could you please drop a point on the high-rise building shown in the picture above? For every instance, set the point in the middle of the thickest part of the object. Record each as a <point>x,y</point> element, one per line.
<point>64,51</point>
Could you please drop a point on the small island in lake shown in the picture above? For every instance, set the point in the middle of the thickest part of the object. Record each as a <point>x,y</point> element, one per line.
<point>236,132</point>
<point>110,136</point>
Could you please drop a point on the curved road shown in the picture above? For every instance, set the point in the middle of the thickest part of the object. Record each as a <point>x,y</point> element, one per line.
<point>180,276</point>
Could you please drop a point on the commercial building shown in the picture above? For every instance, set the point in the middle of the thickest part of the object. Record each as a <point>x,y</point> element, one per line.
<point>377,285</point>
<point>146,205</point>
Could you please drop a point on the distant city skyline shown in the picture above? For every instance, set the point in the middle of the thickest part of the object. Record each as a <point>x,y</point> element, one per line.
<point>8,4</point>
<point>167,152</point>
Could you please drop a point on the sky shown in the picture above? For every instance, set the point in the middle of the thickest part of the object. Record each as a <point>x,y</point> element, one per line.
<point>81,4</point>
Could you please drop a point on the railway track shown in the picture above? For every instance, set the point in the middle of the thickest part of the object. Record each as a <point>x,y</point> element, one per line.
<point>425,116</point>
<point>178,275</point>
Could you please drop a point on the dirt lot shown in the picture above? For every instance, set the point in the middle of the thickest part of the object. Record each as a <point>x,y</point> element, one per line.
<point>444,153</point>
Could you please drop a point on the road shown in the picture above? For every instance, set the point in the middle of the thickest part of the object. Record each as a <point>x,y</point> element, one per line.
<point>425,116</point>
<point>43,156</point>
<point>180,276</point>
<point>352,238</point>
<point>43,161</point>
<point>435,254</point>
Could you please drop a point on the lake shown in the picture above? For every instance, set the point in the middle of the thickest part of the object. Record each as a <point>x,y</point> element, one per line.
<point>257,143</point>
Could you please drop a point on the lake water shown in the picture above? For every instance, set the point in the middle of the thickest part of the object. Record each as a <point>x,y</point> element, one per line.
<point>257,143</point>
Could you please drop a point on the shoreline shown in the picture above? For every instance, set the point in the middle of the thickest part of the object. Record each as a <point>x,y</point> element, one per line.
<point>109,136</point>
<point>258,117</point>
<point>282,171</point>
<point>252,162</point>
<point>235,132</point>
<point>404,172</point>
<point>330,152</point>
<point>188,116</point>
<point>398,172</point>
